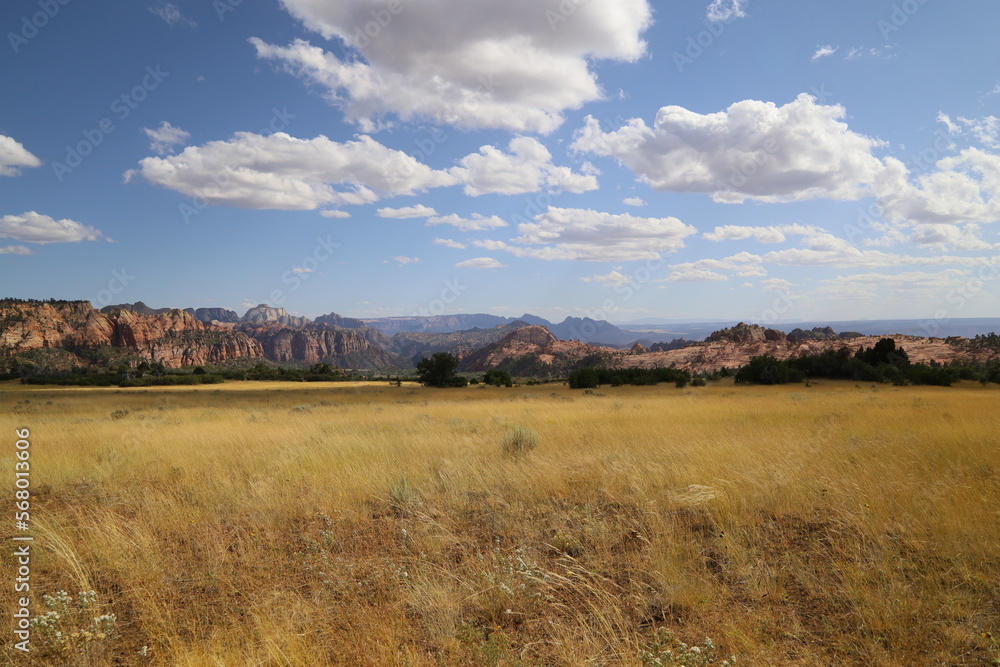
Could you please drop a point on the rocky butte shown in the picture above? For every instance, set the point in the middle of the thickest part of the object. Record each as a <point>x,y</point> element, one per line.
<point>174,338</point>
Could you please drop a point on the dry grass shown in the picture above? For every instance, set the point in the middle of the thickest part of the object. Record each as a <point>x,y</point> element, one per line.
<point>252,524</point>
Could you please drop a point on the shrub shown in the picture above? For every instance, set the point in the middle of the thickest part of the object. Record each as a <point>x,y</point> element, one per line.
<point>520,440</point>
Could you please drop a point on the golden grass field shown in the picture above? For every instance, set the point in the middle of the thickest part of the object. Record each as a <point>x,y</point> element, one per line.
<point>305,524</point>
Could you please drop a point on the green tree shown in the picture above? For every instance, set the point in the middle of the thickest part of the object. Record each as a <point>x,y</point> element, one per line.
<point>440,371</point>
<point>584,378</point>
<point>498,378</point>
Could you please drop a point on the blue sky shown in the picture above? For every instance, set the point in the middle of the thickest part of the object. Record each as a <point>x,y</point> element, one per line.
<point>620,159</point>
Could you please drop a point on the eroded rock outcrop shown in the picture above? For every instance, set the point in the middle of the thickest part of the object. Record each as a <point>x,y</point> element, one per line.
<point>264,314</point>
<point>315,343</point>
<point>174,338</point>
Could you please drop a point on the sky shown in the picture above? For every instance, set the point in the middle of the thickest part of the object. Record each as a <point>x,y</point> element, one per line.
<point>627,160</point>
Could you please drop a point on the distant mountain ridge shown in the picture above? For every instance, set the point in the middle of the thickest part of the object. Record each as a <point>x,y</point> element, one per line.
<point>572,328</point>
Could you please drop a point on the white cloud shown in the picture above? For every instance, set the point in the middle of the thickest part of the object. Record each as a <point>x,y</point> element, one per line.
<point>165,137</point>
<point>828,250</point>
<point>856,52</point>
<point>634,201</point>
<point>695,275</point>
<point>171,14</point>
<point>419,211</point>
<point>754,150</point>
<point>772,234</point>
<point>963,188</point>
<point>742,264</point>
<point>945,236</point>
<point>526,168</point>
<point>581,234</point>
<point>824,51</point>
<point>333,213</point>
<point>986,129</point>
<point>449,243</point>
<point>279,171</point>
<point>16,250</point>
<point>489,244</point>
<point>34,227</point>
<point>912,287</point>
<point>13,155</point>
<point>302,269</point>
<point>945,119</point>
<point>613,279</point>
<point>404,260</point>
<point>480,263</point>
<point>726,10</point>
<point>474,223</point>
<point>468,63</point>
<point>777,284</point>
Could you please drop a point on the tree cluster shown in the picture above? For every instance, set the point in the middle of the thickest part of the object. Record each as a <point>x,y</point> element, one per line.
<point>883,362</point>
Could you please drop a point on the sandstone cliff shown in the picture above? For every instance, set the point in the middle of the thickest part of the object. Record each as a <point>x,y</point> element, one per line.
<point>534,350</point>
<point>174,338</point>
<point>214,315</point>
<point>315,343</point>
<point>264,314</point>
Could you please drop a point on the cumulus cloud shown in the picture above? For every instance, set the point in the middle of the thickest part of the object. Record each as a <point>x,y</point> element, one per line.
<point>951,237</point>
<point>468,63</point>
<point>449,243</point>
<point>279,171</point>
<point>480,263</point>
<point>742,264</point>
<point>824,51</point>
<point>13,156</point>
<point>526,168</point>
<point>582,234</point>
<point>474,223</point>
<point>772,234</point>
<point>613,279</point>
<point>726,10</point>
<point>32,227</point>
<point>753,150</point>
<point>403,260</point>
<point>333,213</point>
<point>16,250</point>
<point>419,211</point>
<point>634,201</point>
<point>777,284</point>
<point>165,137</point>
<point>695,275</point>
<point>962,188</point>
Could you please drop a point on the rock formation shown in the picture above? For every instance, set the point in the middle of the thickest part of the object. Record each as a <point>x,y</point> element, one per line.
<point>214,315</point>
<point>264,314</point>
<point>315,343</point>
<point>335,320</point>
<point>533,348</point>
<point>174,338</point>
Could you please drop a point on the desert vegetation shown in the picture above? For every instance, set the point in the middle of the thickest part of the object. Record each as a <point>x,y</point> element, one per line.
<point>286,523</point>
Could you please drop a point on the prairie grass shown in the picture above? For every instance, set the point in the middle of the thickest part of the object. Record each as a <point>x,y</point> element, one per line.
<point>258,524</point>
